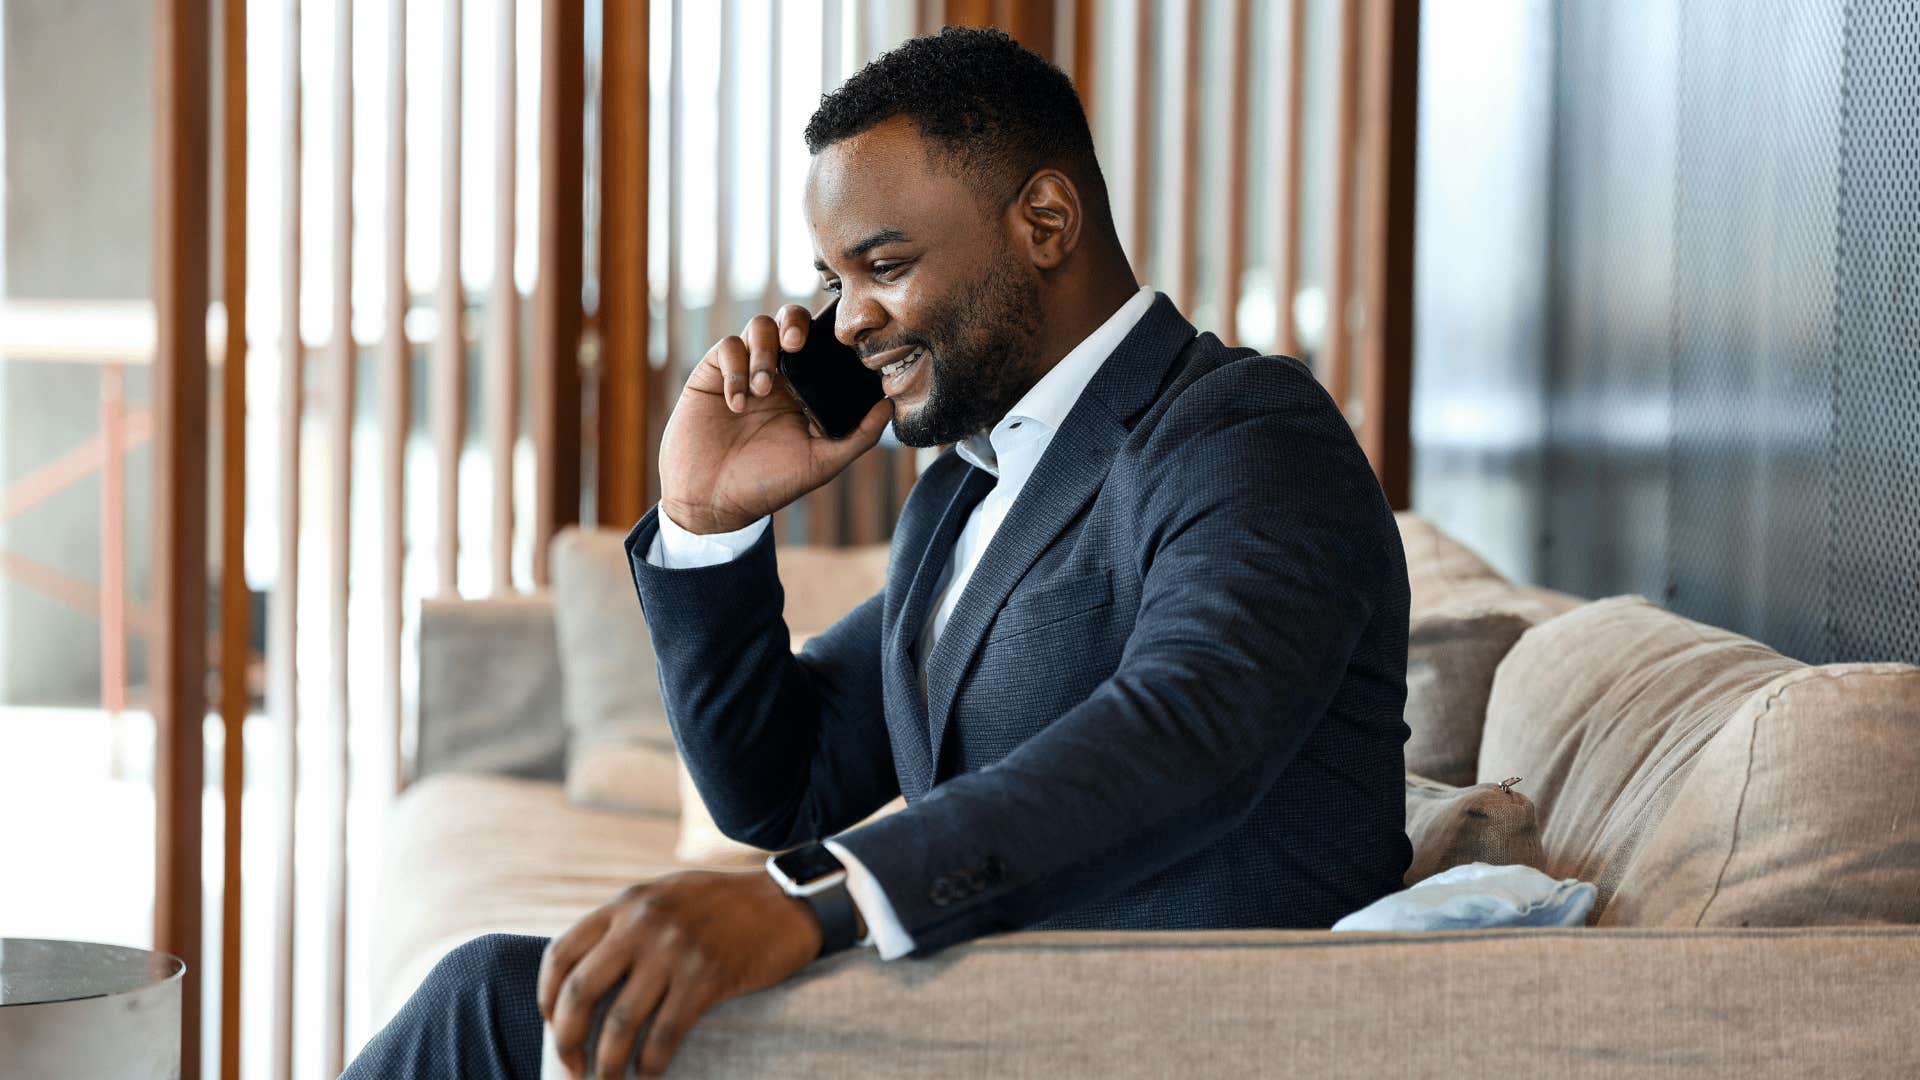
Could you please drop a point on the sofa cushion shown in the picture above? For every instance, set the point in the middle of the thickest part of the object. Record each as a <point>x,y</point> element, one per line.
<point>700,839</point>
<point>1451,826</point>
<point>627,777</point>
<point>1464,618</point>
<point>609,679</point>
<point>1700,778</point>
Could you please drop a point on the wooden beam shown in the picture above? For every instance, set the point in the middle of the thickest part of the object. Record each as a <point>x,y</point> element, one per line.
<point>1186,271</point>
<point>1386,344</point>
<point>283,703</point>
<point>449,398</point>
<point>1291,116</point>
<point>503,300</point>
<point>235,622</point>
<point>182,148</point>
<point>1029,22</point>
<point>1337,349</point>
<point>968,13</point>
<point>396,395</point>
<point>340,397</point>
<point>1085,70</point>
<point>1143,128</point>
<point>556,297</point>
<point>624,409</point>
<point>1233,245</point>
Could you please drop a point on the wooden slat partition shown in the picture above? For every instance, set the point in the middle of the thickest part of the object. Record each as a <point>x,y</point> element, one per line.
<point>1385,350</point>
<point>504,300</point>
<point>1141,240</point>
<point>625,436</point>
<point>1336,353</point>
<point>1187,199</point>
<point>1084,70</point>
<point>1233,244</point>
<point>283,698</point>
<point>556,298</point>
<point>720,321</point>
<point>1290,119</point>
<point>449,398</point>
<point>181,197</point>
<point>823,506</point>
<point>1029,22</point>
<point>234,596</point>
<point>339,549</point>
<point>396,396</point>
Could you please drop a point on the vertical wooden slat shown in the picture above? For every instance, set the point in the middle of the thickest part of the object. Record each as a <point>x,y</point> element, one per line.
<point>339,548</point>
<point>1233,244</point>
<point>556,298</point>
<point>1084,69</point>
<point>1385,350</point>
<point>113,538</point>
<point>1187,262</point>
<point>969,13</point>
<point>283,695</point>
<point>624,408</point>
<point>1029,22</point>
<point>1337,352</point>
<point>234,613</point>
<point>1290,117</point>
<point>1143,129</point>
<point>449,398</point>
<point>720,311</point>
<point>396,397</point>
<point>504,301</point>
<point>661,379</point>
<point>905,474</point>
<point>823,504</point>
<point>181,197</point>
<point>868,485</point>
<point>770,290</point>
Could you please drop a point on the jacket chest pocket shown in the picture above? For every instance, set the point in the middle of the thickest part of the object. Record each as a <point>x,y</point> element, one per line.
<point>1054,602</point>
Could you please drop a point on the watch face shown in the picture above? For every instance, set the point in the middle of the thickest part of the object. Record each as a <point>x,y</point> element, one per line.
<point>809,863</point>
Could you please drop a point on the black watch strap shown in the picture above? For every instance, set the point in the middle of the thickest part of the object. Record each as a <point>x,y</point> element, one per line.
<point>833,906</point>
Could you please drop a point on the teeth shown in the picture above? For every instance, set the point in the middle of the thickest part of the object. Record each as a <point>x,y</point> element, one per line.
<point>899,366</point>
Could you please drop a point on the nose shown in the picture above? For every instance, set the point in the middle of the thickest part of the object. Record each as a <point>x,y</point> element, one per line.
<point>856,317</point>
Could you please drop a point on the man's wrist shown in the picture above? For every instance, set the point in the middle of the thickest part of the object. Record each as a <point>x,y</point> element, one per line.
<point>698,521</point>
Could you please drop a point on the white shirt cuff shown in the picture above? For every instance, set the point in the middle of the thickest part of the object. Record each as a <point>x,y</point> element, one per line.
<point>883,926</point>
<point>674,548</point>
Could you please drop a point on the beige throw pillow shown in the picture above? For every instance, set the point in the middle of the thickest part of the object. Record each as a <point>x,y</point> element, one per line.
<point>1701,779</point>
<point>1451,826</point>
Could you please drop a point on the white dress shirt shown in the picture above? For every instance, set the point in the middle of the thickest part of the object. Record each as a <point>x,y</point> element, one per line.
<point>1009,451</point>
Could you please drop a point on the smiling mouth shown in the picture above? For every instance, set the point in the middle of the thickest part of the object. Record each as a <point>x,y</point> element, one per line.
<point>894,369</point>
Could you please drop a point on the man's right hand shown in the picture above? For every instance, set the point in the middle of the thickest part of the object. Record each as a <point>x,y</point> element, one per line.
<point>738,446</point>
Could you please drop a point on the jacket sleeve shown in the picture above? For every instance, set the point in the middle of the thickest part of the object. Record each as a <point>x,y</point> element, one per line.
<point>1262,540</point>
<point>785,749</point>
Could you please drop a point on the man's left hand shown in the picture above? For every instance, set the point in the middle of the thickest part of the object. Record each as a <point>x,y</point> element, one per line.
<point>684,944</point>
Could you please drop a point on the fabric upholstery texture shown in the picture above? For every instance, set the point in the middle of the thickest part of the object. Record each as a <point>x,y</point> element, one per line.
<point>489,695</point>
<point>1464,618</point>
<point>1699,778</point>
<point>606,658</point>
<point>628,777</point>
<point>1477,896</point>
<point>1451,826</point>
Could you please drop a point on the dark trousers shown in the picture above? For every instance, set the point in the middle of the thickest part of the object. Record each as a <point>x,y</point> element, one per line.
<point>474,1018</point>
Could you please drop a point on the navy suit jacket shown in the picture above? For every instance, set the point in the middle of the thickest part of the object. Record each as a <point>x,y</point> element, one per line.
<point>1169,697</point>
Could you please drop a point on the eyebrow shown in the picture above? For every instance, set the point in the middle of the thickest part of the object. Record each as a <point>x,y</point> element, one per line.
<point>884,236</point>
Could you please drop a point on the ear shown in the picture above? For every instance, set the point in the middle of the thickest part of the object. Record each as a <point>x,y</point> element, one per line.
<point>1045,219</point>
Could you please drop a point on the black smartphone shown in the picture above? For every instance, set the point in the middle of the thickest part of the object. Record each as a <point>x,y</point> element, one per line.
<point>833,386</point>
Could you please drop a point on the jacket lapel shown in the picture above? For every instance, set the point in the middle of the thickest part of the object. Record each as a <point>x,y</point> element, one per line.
<point>1064,481</point>
<point>916,756</point>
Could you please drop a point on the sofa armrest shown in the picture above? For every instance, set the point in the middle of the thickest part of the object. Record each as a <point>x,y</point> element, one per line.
<point>489,693</point>
<point>1579,1002</point>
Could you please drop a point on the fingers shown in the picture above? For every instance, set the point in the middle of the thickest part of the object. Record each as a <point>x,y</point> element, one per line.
<point>562,953</point>
<point>794,321</point>
<point>730,356</point>
<point>580,991</point>
<point>685,1002</point>
<point>763,353</point>
<point>628,1015</point>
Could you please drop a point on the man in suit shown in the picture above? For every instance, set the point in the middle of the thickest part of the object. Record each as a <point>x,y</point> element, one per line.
<point>1140,659</point>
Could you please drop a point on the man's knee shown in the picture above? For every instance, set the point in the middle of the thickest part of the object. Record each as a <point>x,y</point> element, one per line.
<point>488,962</point>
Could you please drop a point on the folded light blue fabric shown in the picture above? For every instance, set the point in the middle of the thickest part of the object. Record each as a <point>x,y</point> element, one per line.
<point>1476,896</point>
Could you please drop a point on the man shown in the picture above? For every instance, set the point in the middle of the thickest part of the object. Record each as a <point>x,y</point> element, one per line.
<point>1140,660</point>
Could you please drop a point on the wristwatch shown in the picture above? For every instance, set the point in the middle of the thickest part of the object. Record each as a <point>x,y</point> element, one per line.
<point>812,874</point>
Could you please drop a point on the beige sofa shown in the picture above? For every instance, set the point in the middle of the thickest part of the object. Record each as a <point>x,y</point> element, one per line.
<point>1753,825</point>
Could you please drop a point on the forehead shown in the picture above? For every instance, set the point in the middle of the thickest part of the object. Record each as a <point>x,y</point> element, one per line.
<point>884,179</point>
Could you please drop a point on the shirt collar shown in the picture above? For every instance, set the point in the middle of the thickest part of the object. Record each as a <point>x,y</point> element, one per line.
<point>1041,411</point>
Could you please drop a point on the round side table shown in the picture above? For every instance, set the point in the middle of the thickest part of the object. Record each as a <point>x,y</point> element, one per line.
<point>74,1008</point>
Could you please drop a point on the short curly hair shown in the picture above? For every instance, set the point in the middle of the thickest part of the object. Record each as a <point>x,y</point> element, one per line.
<point>1001,112</point>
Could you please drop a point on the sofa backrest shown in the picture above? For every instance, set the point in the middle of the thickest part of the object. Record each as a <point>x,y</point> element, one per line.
<point>1700,778</point>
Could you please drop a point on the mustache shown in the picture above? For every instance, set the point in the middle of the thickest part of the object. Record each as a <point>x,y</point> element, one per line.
<point>868,351</point>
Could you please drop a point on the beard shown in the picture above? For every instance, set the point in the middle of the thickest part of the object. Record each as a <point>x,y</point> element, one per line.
<point>981,357</point>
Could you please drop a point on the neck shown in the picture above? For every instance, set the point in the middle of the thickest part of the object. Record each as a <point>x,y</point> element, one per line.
<point>1077,309</point>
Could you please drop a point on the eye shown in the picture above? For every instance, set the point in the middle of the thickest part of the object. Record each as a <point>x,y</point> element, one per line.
<point>831,287</point>
<point>887,271</point>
